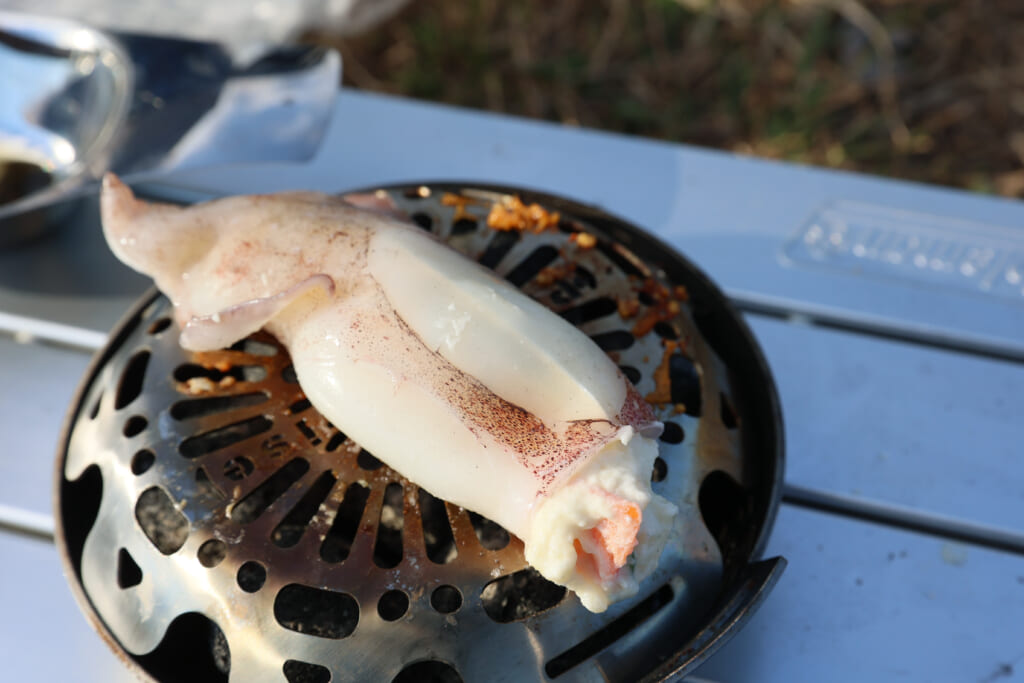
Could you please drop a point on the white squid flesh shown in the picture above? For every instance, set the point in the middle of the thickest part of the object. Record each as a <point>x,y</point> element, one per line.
<point>444,371</point>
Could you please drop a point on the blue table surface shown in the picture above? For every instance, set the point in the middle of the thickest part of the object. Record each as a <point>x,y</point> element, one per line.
<point>900,382</point>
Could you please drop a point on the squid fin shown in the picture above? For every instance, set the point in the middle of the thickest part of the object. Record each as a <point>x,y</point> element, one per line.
<point>220,330</point>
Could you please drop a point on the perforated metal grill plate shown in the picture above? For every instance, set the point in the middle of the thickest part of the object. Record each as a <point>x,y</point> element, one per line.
<point>206,484</point>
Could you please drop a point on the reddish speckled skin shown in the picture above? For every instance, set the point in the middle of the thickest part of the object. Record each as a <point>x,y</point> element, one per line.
<point>298,265</point>
<point>549,452</point>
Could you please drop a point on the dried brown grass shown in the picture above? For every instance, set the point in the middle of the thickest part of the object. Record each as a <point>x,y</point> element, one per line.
<point>931,90</point>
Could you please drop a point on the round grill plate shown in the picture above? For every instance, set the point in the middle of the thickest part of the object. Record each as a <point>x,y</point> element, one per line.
<point>217,527</point>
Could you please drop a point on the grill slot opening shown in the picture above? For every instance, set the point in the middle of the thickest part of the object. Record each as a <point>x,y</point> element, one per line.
<point>95,410</point>
<point>142,461</point>
<point>128,571</point>
<point>491,535</point>
<point>251,576</point>
<point>393,605</point>
<point>211,553</point>
<point>300,406</point>
<point>631,373</point>
<point>304,672</point>
<point>254,347</point>
<point>616,340</point>
<point>573,285</point>
<point>423,220</point>
<point>215,439</point>
<point>446,599</point>
<point>528,268</point>
<point>727,509</point>
<point>82,498</point>
<point>263,496</point>
<point>673,432</point>
<point>437,530</point>
<point>308,432</point>
<point>463,226</point>
<point>583,278</point>
<point>498,247</point>
<point>684,380</point>
<point>660,470</point>
<point>134,426</point>
<point>291,528</point>
<point>193,649</point>
<point>366,461</point>
<point>335,442</point>
<point>601,639</point>
<point>665,330</point>
<point>316,612</point>
<point>338,541</point>
<point>727,412</point>
<point>429,671</point>
<point>161,521</point>
<point>620,258</point>
<point>130,386</point>
<point>288,374</point>
<point>211,405</point>
<point>590,310</point>
<point>239,373</point>
<point>519,596</point>
<point>387,551</point>
<point>158,326</point>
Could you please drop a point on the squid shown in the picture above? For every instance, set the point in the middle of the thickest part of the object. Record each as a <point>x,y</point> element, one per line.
<point>444,371</point>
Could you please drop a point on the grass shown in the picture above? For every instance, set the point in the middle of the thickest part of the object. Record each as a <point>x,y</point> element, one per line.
<point>931,90</point>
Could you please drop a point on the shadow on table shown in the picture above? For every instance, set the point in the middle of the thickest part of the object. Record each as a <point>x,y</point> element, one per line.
<point>71,258</point>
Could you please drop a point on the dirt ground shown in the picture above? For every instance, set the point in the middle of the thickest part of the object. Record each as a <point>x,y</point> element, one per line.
<point>930,90</point>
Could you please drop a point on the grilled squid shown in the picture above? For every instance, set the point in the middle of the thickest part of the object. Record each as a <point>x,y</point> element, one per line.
<point>445,372</point>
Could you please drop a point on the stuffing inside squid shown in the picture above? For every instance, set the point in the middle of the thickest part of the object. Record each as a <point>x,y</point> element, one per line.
<point>506,409</point>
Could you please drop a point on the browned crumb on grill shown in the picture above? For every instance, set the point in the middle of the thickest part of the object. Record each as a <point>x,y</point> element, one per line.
<point>628,308</point>
<point>512,214</point>
<point>198,385</point>
<point>583,240</point>
<point>460,202</point>
<point>664,306</point>
<point>662,394</point>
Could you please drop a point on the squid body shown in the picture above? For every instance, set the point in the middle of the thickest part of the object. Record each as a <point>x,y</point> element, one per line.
<point>445,372</point>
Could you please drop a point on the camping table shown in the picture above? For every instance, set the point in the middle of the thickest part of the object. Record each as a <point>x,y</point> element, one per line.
<point>892,316</point>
